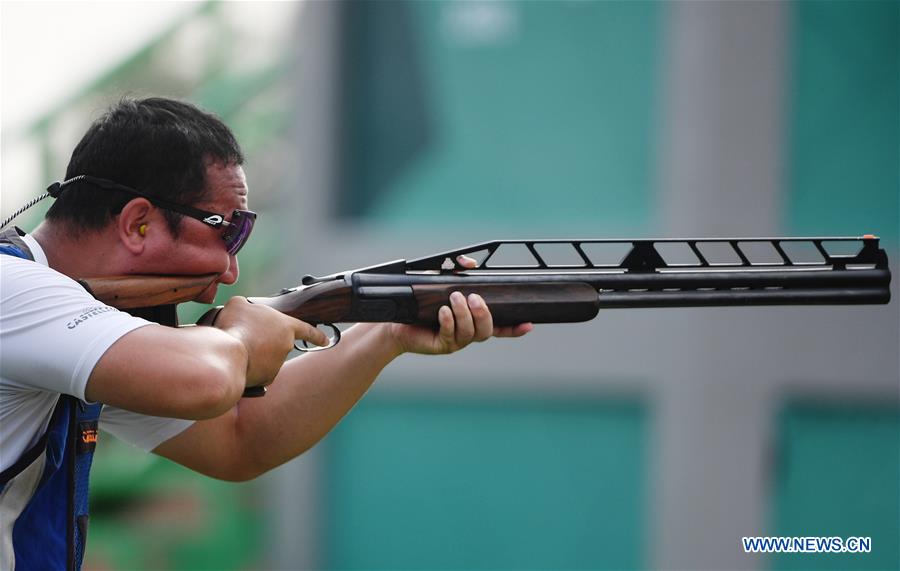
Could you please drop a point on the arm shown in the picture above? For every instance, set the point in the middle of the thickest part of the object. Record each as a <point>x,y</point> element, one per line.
<point>196,372</point>
<point>313,392</point>
<point>201,375</point>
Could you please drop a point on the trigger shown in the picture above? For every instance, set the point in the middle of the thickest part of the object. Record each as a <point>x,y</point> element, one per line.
<point>332,341</point>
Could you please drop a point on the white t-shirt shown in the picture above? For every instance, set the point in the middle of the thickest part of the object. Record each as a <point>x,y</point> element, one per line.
<point>52,333</point>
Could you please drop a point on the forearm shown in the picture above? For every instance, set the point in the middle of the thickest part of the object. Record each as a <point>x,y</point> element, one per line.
<point>314,391</point>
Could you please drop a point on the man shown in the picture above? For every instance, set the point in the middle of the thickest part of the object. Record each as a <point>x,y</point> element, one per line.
<point>156,187</point>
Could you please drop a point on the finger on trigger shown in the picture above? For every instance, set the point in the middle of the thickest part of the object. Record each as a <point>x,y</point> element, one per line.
<point>311,333</point>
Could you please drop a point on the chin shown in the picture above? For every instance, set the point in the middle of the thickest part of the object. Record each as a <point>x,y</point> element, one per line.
<point>208,295</point>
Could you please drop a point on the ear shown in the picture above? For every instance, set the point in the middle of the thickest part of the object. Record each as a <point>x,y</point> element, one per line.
<point>137,213</point>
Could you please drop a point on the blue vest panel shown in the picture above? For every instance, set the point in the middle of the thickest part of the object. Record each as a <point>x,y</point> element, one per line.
<point>48,486</point>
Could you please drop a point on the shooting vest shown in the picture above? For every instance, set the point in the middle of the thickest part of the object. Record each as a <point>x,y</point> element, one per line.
<point>44,495</point>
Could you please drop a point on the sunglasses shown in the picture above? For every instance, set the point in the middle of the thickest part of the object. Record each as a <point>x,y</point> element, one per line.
<point>237,230</point>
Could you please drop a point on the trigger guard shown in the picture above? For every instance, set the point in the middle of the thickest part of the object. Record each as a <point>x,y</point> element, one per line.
<point>334,339</point>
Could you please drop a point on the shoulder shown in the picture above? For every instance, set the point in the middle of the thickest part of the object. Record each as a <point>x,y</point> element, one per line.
<point>52,330</point>
<point>19,277</point>
<point>17,269</point>
<point>34,297</point>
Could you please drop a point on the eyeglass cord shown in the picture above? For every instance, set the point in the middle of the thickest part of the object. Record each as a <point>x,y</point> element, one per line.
<point>53,190</point>
<point>30,203</point>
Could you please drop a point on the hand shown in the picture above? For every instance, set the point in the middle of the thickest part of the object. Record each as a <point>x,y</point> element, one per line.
<point>267,334</point>
<point>464,321</point>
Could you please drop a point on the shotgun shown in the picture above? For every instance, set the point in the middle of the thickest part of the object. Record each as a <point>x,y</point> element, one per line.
<point>562,281</point>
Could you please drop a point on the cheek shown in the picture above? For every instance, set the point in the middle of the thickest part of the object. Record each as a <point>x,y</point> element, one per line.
<point>218,263</point>
<point>197,259</point>
<point>197,250</point>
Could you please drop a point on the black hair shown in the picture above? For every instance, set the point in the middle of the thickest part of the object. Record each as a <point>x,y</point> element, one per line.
<point>157,145</point>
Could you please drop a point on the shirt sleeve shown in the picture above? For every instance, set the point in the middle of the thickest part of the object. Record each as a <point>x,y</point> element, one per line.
<point>52,332</point>
<point>145,432</point>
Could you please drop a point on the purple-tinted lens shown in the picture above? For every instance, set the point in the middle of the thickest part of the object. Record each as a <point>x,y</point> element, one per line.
<point>238,230</point>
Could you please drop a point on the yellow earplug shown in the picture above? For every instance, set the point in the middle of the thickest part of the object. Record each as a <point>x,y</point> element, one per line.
<point>142,229</point>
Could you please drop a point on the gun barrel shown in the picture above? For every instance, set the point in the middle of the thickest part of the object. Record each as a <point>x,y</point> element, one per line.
<point>796,286</point>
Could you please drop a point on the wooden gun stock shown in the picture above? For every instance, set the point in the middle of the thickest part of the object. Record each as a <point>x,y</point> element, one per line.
<point>138,291</point>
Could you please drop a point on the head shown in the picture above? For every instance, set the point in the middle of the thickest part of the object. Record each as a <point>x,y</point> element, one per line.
<point>172,153</point>
<point>159,146</point>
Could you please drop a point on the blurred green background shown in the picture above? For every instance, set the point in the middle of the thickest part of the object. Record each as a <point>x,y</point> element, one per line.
<point>443,123</point>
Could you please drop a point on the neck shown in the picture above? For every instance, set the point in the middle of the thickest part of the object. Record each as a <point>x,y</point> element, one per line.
<point>79,254</point>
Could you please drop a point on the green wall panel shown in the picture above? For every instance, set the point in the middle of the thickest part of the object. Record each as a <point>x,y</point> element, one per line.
<point>467,484</point>
<point>509,113</point>
<point>150,513</point>
<point>839,476</point>
<point>844,105</point>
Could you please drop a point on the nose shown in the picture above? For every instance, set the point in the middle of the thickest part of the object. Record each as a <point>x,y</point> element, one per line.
<point>230,275</point>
